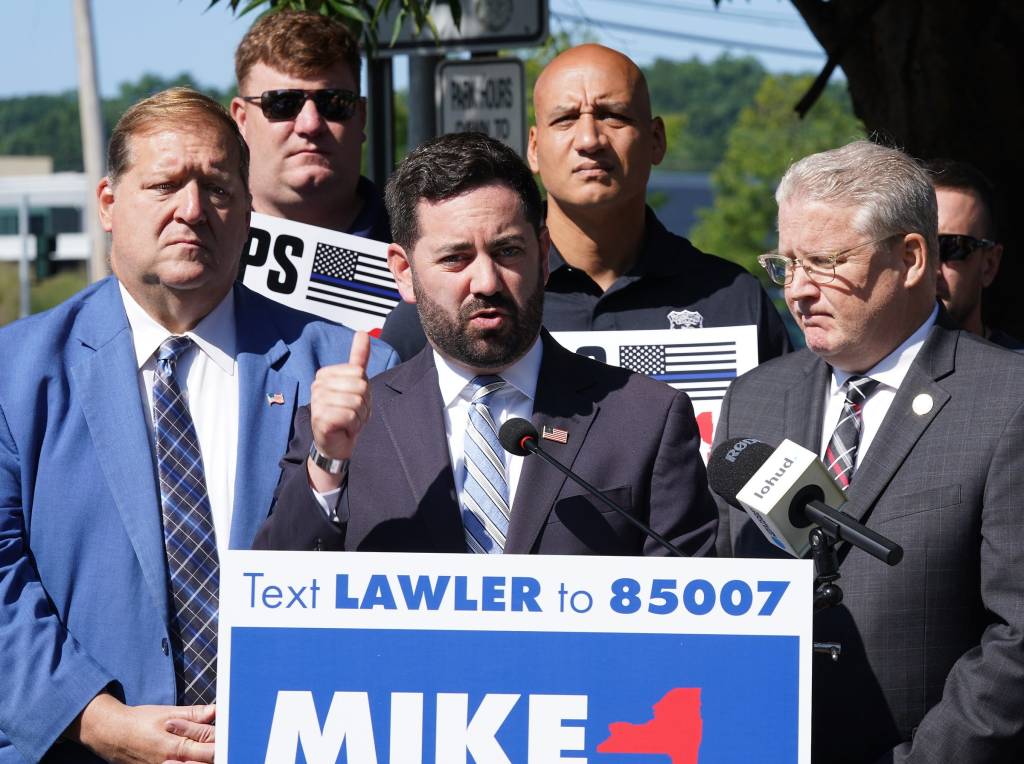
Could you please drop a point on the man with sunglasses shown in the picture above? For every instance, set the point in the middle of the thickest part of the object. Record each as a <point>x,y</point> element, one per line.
<point>300,111</point>
<point>922,424</point>
<point>969,251</point>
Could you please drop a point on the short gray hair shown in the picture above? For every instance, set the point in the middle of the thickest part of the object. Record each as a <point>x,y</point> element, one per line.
<point>890,190</point>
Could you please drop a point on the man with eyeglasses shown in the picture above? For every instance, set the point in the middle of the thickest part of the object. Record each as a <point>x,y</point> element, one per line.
<point>300,111</point>
<point>969,251</point>
<point>922,424</point>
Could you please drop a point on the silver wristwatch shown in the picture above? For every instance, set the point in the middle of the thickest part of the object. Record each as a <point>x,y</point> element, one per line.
<point>326,463</point>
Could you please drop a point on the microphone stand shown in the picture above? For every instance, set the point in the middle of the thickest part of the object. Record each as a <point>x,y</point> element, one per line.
<point>826,570</point>
<point>832,527</point>
<point>530,444</point>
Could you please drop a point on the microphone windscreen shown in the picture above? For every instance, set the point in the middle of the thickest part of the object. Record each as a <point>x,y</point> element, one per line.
<point>733,463</point>
<point>513,432</point>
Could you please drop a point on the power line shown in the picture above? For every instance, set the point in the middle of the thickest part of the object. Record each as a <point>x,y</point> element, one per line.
<point>603,24</point>
<point>719,13</point>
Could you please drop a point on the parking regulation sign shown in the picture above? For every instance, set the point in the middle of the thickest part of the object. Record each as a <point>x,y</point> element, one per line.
<point>486,95</point>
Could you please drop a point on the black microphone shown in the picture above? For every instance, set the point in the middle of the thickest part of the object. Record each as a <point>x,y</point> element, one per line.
<point>519,437</point>
<point>785,491</point>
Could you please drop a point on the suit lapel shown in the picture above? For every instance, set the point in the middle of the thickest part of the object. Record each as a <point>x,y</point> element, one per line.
<point>804,423</point>
<point>560,405</point>
<point>903,425</point>
<point>263,428</point>
<point>105,383</point>
<point>414,420</point>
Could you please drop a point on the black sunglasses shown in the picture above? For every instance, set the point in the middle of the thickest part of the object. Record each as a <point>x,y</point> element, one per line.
<point>954,247</point>
<point>334,104</point>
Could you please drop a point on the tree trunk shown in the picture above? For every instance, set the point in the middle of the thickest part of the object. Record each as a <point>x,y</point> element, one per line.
<point>942,78</point>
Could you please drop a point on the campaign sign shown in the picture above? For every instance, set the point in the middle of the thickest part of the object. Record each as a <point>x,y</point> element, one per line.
<point>365,658</point>
<point>333,275</point>
<point>701,362</point>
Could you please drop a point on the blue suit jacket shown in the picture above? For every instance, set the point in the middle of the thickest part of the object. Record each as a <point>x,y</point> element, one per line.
<point>83,576</point>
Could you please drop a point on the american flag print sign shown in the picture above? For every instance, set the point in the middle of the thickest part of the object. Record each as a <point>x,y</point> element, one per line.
<point>700,362</point>
<point>347,278</point>
<point>703,369</point>
<point>331,274</point>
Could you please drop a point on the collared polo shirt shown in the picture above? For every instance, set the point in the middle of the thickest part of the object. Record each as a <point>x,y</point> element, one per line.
<point>672,283</point>
<point>372,221</point>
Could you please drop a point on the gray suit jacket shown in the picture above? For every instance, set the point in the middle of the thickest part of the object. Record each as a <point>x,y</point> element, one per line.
<point>932,668</point>
<point>628,435</point>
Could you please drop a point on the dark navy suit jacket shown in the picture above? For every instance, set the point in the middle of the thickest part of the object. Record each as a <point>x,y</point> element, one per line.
<point>628,435</point>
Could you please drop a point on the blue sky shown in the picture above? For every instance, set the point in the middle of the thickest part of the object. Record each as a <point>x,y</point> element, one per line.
<point>166,37</point>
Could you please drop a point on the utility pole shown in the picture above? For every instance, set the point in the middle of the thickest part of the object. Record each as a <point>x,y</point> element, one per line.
<point>92,136</point>
<point>381,127</point>
<point>422,104</point>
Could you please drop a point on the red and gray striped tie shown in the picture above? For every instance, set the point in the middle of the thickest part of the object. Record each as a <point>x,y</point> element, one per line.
<point>841,452</point>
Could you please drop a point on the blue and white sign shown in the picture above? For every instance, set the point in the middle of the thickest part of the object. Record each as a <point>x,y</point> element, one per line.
<point>450,659</point>
<point>330,274</point>
<point>702,362</point>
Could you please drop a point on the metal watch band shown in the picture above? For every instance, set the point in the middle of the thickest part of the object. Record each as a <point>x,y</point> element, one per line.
<point>326,463</point>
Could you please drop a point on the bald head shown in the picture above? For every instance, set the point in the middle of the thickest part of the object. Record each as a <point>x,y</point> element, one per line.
<point>580,61</point>
<point>595,141</point>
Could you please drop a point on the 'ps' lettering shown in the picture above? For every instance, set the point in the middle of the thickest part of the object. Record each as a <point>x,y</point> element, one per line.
<point>256,251</point>
<point>285,247</point>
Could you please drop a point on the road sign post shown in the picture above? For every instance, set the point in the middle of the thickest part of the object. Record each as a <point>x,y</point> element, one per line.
<point>486,95</point>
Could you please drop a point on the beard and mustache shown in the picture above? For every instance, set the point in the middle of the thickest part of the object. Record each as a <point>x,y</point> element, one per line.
<point>482,349</point>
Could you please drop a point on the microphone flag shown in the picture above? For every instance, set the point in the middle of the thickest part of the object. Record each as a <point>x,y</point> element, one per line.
<point>769,495</point>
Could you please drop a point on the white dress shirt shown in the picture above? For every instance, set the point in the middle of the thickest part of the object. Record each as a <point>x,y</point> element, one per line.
<point>514,400</point>
<point>209,372</point>
<point>890,373</point>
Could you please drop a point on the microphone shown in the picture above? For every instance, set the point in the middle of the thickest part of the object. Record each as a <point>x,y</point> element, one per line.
<point>519,436</point>
<point>786,491</point>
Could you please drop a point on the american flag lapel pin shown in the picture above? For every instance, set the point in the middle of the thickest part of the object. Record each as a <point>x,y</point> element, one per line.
<point>556,434</point>
<point>277,398</point>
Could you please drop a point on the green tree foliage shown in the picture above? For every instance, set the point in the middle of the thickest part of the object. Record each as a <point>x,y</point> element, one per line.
<point>766,139</point>
<point>48,125</point>
<point>42,125</point>
<point>366,18</point>
<point>699,103</point>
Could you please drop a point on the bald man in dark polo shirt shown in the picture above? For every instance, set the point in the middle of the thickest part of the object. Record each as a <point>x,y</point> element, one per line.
<point>613,264</point>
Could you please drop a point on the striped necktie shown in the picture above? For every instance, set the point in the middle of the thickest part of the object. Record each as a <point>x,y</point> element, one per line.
<point>485,492</point>
<point>189,539</point>
<point>841,452</point>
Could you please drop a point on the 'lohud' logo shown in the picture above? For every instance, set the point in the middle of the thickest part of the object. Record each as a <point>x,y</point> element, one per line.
<point>770,482</point>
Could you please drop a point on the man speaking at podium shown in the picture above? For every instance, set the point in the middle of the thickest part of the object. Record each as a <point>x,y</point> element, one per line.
<point>923,425</point>
<point>410,461</point>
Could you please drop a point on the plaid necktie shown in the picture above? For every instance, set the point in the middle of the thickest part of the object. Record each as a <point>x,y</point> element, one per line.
<point>485,492</point>
<point>841,452</point>
<point>189,539</point>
